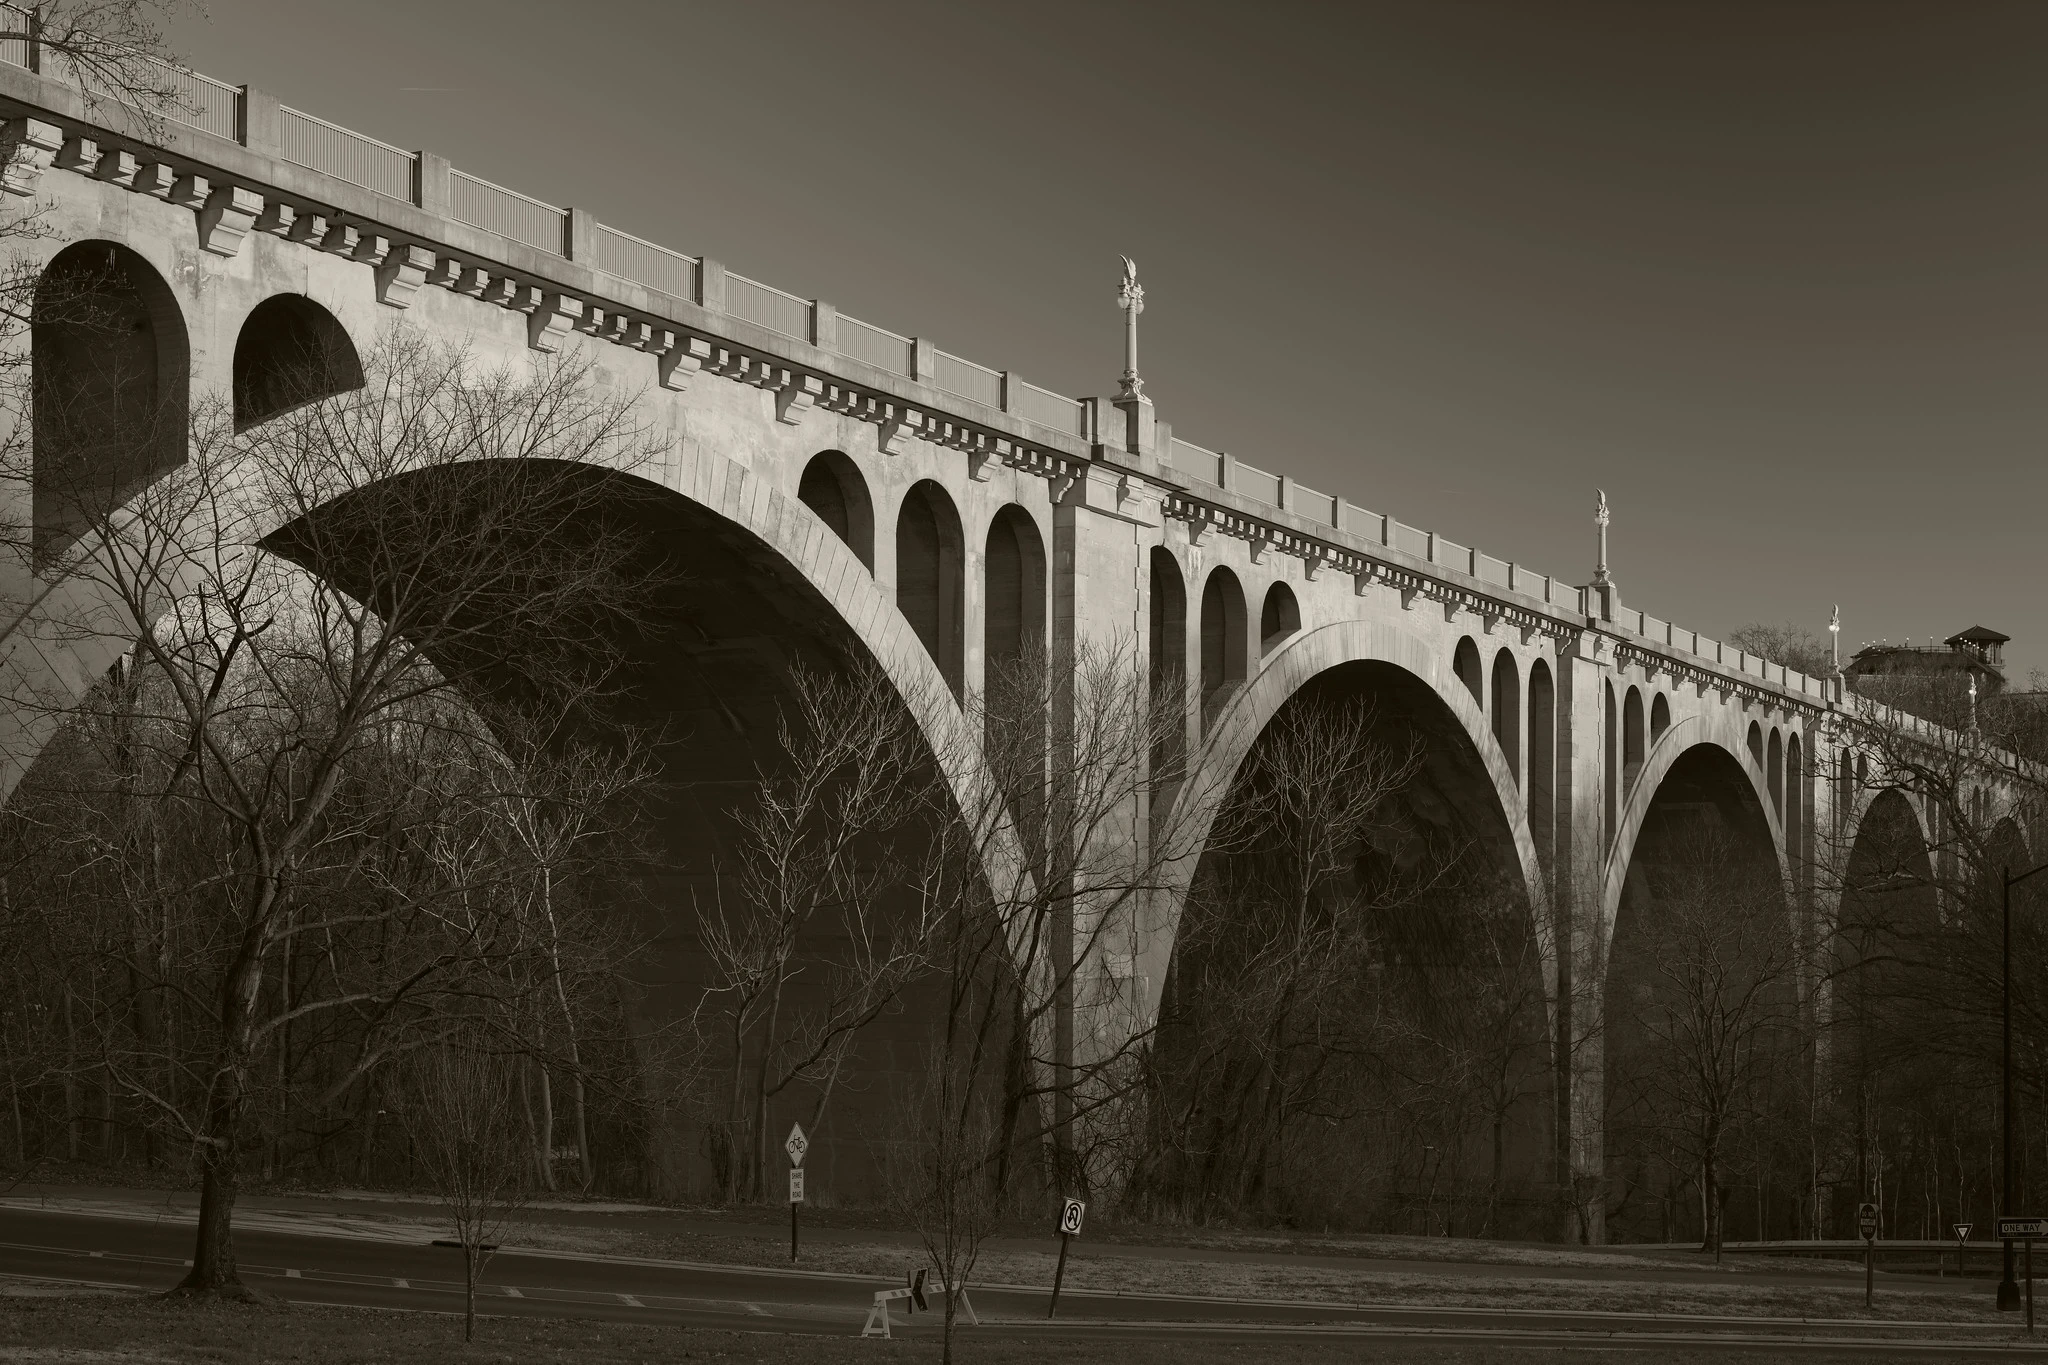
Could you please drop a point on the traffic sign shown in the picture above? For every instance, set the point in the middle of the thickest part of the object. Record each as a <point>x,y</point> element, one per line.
<point>797,1145</point>
<point>1071,1214</point>
<point>2011,1228</point>
<point>796,1186</point>
<point>1963,1231</point>
<point>1866,1221</point>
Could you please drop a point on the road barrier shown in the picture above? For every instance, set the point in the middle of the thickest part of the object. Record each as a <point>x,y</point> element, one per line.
<point>913,1296</point>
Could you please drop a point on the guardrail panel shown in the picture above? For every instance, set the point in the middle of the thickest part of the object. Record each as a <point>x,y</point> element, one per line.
<point>872,345</point>
<point>494,208</point>
<point>333,150</point>
<point>767,306</point>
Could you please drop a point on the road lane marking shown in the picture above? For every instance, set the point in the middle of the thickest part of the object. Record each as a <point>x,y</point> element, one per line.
<point>293,1275</point>
<point>96,1253</point>
<point>512,1293</point>
<point>401,1284</point>
<point>758,1311</point>
<point>630,1301</point>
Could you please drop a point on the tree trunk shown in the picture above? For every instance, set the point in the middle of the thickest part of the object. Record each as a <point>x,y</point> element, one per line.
<point>468,1291</point>
<point>545,1128</point>
<point>214,1272</point>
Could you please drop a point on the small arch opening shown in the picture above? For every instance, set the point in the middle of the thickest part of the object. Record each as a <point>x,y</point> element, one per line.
<point>1279,618</point>
<point>1168,666</point>
<point>1542,785</point>
<point>1660,717</point>
<point>1774,772</point>
<point>1631,739</point>
<point>930,569</point>
<point>290,352</point>
<point>1223,641</point>
<point>1756,744</point>
<point>1507,711</point>
<point>111,376</point>
<point>832,488</point>
<point>1465,663</point>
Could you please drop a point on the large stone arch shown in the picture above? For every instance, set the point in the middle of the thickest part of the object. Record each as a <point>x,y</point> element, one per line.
<point>1215,763</point>
<point>74,631</point>
<point>1722,731</point>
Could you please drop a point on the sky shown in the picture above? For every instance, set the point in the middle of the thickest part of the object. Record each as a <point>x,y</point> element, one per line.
<point>1773,275</point>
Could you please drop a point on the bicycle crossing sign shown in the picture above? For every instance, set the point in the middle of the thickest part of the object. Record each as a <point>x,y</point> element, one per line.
<point>797,1145</point>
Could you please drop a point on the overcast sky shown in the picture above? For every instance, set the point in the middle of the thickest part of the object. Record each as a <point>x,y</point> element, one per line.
<point>1774,275</point>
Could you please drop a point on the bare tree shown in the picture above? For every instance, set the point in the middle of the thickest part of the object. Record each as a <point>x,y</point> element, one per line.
<point>470,543</point>
<point>822,855</point>
<point>461,1117</point>
<point>1787,643</point>
<point>1713,1002</point>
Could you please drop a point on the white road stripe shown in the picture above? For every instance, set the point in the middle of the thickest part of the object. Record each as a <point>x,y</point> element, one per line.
<point>401,1284</point>
<point>758,1310</point>
<point>512,1293</point>
<point>630,1301</point>
<point>292,1275</point>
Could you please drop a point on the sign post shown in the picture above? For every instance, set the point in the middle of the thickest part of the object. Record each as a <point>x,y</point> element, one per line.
<point>1962,1245</point>
<point>2025,1230</point>
<point>1866,1223</point>
<point>797,1145</point>
<point>1072,1212</point>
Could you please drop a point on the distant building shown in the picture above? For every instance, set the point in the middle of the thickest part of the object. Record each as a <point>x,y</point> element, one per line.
<point>1978,652</point>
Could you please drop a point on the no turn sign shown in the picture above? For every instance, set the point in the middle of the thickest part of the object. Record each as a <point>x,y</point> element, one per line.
<point>1071,1214</point>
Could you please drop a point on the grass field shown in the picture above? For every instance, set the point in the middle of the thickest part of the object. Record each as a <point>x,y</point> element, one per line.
<point>124,1330</point>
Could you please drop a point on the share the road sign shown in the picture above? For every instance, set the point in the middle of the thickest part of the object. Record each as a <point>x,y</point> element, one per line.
<point>2012,1228</point>
<point>796,1186</point>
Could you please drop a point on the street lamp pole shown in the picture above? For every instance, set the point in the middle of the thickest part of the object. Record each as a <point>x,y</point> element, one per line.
<point>2008,1286</point>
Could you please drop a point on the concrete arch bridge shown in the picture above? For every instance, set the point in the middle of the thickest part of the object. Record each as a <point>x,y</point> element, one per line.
<point>850,486</point>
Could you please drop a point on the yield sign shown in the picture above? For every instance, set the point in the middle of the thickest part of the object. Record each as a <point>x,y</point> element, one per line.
<point>797,1145</point>
<point>1963,1231</point>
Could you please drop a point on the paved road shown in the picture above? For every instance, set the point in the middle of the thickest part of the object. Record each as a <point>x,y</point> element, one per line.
<point>133,1254</point>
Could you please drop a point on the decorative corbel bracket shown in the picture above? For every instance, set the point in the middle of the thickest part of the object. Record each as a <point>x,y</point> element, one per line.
<point>903,426</point>
<point>401,274</point>
<point>796,398</point>
<point>680,362</point>
<point>278,218</point>
<point>226,217</point>
<point>30,145</point>
<point>552,317</point>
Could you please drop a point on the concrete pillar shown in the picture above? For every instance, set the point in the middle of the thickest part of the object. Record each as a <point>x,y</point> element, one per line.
<point>581,246</point>
<point>262,121</point>
<point>1578,941</point>
<point>924,364</point>
<point>432,189</point>
<point>824,325</point>
<point>711,284</point>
